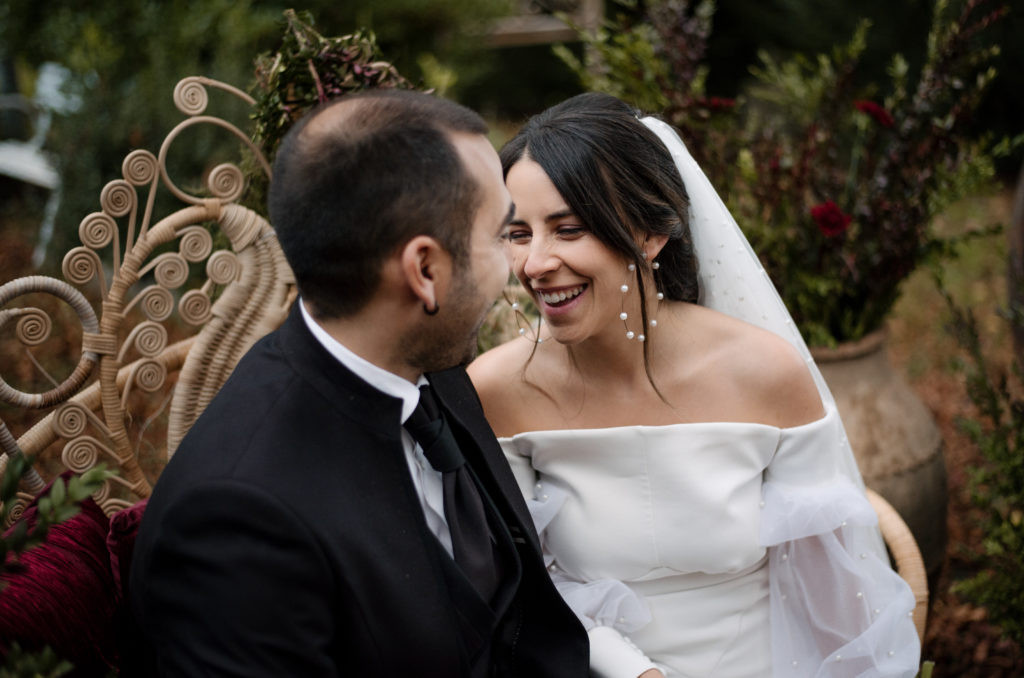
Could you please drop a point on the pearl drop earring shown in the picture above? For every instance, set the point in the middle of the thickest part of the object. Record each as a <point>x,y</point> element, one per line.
<point>522,319</point>
<point>623,316</point>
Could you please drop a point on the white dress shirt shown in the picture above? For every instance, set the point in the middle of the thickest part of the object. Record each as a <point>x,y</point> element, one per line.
<point>426,480</point>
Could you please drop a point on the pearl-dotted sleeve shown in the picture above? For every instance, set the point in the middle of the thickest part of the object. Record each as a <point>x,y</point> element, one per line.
<point>608,609</point>
<point>837,608</point>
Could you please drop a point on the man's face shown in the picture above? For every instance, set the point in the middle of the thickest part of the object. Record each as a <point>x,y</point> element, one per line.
<point>450,338</point>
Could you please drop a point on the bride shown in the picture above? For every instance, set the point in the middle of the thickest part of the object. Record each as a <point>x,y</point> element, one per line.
<point>698,502</point>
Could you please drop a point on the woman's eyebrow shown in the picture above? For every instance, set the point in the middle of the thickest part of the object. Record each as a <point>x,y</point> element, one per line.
<point>560,214</point>
<point>554,216</point>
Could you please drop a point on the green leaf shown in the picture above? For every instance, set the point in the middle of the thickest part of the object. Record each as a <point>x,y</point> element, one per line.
<point>58,492</point>
<point>65,512</point>
<point>17,536</point>
<point>17,466</point>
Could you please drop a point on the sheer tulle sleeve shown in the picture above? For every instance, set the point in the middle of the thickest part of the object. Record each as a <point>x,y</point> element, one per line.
<point>837,608</point>
<point>607,608</point>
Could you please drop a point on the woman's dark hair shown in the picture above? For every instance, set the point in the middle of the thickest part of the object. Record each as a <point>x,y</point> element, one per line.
<point>352,184</point>
<point>618,177</point>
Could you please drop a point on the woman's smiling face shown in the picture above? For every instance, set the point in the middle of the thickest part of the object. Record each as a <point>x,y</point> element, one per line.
<point>573,277</point>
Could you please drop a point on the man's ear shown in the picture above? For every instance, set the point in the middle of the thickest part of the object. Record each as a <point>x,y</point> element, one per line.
<point>426,268</point>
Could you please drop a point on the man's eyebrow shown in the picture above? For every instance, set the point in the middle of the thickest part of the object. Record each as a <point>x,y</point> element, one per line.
<point>508,217</point>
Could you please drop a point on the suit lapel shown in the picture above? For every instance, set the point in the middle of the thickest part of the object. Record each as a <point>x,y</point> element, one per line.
<point>363,405</point>
<point>471,618</point>
<point>481,447</point>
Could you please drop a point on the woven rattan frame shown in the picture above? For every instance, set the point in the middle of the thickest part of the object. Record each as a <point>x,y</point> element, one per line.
<point>905,555</point>
<point>245,292</point>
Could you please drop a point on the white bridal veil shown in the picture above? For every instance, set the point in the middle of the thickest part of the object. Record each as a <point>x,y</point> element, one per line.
<point>823,540</point>
<point>732,279</point>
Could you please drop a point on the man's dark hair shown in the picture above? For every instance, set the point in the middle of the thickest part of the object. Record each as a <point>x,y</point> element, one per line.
<point>357,178</point>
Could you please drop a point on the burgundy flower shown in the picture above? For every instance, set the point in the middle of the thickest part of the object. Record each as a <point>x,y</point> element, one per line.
<point>881,116</point>
<point>830,219</point>
<point>718,103</point>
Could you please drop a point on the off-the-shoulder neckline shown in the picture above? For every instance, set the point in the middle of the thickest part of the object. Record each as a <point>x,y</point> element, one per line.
<point>690,424</point>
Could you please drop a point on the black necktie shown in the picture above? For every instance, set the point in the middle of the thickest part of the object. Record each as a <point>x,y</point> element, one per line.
<point>472,544</point>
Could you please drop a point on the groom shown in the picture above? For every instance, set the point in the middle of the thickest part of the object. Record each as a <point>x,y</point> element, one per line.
<point>342,507</point>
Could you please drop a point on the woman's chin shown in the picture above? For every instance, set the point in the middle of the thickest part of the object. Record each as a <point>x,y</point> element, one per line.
<point>564,334</point>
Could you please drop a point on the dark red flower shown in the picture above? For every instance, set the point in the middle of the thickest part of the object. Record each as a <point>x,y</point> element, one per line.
<point>718,103</point>
<point>830,219</point>
<point>881,116</point>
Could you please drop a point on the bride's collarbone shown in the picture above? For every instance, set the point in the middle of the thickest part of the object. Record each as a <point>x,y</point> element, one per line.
<point>596,406</point>
<point>572,403</point>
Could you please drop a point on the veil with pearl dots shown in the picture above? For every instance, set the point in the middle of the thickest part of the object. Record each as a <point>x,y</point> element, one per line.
<point>884,642</point>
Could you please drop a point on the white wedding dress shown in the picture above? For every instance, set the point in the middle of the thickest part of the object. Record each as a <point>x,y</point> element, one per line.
<point>694,542</point>
<point>721,550</point>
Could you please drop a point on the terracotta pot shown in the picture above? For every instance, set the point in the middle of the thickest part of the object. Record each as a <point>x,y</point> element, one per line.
<point>894,437</point>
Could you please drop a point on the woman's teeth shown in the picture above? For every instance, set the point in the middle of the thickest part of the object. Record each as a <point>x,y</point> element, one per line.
<point>560,296</point>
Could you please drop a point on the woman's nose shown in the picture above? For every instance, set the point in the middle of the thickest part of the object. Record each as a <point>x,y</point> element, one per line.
<point>540,260</point>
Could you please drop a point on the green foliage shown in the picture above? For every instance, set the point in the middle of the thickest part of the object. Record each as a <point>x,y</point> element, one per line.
<point>309,69</point>
<point>42,664</point>
<point>126,57</point>
<point>653,63</point>
<point>835,181</point>
<point>628,51</point>
<point>997,485</point>
<point>305,70</point>
<point>61,503</point>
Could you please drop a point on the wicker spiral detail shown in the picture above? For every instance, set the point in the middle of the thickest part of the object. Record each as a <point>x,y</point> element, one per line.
<point>117,198</point>
<point>139,167</point>
<point>223,267</point>
<point>101,495</point>
<point>171,271</point>
<point>16,511</point>
<point>196,243</point>
<point>190,97</point>
<point>33,327</point>
<point>150,338</point>
<point>81,454</point>
<point>195,307</point>
<point>157,303</point>
<point>80,265</point>
<point>226,182</point>
<point>150,375</point>
<point>69,420</point>
<point>97,230</point>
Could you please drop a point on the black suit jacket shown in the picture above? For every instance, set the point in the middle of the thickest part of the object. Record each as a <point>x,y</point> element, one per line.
<point>285,538</point>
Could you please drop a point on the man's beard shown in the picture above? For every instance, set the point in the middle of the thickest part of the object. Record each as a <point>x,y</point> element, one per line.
<point>449,338</point>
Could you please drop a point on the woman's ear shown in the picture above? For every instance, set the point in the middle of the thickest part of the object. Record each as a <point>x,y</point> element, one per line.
<point>652,245</point>
<point>426,268</point>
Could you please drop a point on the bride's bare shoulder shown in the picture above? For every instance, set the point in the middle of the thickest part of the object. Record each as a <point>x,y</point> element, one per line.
<point>500,362</point>
<point>498,376</point>
<point>769,370</point>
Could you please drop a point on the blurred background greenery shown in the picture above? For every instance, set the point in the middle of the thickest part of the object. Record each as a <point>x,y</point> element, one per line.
<point>124,57</point>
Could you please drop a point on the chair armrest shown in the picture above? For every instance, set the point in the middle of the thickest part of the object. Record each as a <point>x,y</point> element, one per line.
<point>905,554</point>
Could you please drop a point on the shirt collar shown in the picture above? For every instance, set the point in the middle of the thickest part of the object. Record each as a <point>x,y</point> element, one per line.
<point>387,382</point>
